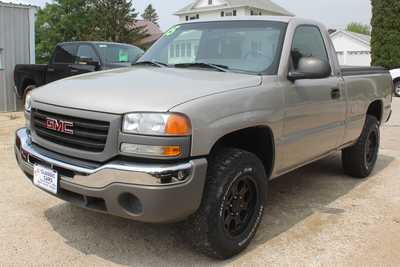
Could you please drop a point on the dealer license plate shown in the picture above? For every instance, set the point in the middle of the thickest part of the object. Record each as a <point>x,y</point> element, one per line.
<point>45,178</point>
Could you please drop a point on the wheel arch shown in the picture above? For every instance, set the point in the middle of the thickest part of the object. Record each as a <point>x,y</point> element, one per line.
<point>376,109</point>
<point>258,140</point>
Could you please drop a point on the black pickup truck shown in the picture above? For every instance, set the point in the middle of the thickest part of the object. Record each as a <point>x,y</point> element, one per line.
<point>74,58</point>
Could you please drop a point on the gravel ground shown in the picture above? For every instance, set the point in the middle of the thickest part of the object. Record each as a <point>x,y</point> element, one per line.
<point>316,216</point>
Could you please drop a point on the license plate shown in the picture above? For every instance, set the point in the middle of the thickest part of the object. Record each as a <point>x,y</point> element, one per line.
<point>45,178</point>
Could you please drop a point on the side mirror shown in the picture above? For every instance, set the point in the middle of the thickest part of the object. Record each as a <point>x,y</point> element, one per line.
<point>310,68</point>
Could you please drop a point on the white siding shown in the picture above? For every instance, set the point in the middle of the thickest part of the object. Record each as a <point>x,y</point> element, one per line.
<point>204,3</point>
<point>212,14</point>
<point>16,44</point>
<point>351,51</point>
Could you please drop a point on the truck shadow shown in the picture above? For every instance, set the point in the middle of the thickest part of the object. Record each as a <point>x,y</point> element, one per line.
<point>292,198</point>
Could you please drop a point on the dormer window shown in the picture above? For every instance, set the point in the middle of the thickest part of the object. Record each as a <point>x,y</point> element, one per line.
<point>210,2</point>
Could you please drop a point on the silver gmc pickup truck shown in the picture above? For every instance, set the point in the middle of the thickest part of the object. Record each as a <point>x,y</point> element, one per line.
<point>194,131</point>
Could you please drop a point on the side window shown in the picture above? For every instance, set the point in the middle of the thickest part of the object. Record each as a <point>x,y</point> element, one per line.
<point>87,52</point>
<point>64,54</point>
<point>308,42</point>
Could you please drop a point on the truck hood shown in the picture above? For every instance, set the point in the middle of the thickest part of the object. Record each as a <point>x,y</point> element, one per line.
<point>140,88</point>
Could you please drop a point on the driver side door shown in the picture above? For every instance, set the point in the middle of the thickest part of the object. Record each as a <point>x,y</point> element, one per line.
<point>315,108</point>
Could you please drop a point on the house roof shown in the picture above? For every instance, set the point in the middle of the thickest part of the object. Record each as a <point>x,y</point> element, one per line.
<point>17,5</point>
<point>260,4</point>
<point>152,29</point>
<point>366,39</point>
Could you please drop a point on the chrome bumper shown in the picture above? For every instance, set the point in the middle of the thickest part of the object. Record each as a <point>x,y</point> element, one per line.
<point>144,192</point>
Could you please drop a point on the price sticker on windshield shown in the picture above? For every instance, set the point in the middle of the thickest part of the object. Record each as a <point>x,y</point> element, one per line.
<point>172,30</point>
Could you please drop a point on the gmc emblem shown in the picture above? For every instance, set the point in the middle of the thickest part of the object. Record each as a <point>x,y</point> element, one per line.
<point>60,126</point>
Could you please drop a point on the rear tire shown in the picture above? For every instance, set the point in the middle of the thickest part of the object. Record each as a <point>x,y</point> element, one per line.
<point>232,206</point>
<point>397,88</point>
<point>359,160</point>
<point>28,89</point>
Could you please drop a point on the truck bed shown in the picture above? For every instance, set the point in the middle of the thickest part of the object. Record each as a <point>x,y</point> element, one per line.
<point>355,70</point>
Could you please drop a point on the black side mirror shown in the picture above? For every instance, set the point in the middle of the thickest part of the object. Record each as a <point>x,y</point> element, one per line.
<point>310,68</point>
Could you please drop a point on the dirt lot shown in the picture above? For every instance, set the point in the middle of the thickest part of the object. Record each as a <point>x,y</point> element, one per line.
<point>316,217</point>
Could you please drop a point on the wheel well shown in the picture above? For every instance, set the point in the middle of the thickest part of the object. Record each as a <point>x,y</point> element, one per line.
<point>396,80</point>
<point>26,83</point>
<point>375,109</point>
<point>257,140</point>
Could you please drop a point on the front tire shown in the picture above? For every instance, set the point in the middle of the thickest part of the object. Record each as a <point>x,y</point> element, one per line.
<point>233,204</point>
<point>359,160</point>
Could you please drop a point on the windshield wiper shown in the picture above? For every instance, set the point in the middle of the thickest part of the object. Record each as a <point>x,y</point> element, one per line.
<point>217,67</point>
<point>153,62</point>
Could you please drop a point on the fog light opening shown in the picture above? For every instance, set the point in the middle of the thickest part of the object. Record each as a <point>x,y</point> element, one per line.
<point>130,203</point>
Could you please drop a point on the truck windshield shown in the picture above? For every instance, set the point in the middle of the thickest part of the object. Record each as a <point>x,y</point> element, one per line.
<point>115,53</point>
<point>244,46</point>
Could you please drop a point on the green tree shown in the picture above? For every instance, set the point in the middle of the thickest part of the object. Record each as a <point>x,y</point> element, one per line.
<point>114,20</point>
<point>358,28</point>
<point>385,33</point>
<point>62,20</point>
<point>150,14</point>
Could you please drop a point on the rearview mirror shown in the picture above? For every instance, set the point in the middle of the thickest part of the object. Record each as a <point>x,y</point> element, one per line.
<point>310,68</point>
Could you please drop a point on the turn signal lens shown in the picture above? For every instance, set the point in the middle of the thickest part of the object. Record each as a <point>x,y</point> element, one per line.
<point>178,125</point>
<point>159,151</point>
<point>172,151</point>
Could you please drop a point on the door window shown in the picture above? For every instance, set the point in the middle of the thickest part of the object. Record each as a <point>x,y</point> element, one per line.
<point>308,42</point>
<point>65,54</point>
<point>87,52</point>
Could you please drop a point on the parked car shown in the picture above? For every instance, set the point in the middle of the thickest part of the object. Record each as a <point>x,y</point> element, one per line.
<point>74,58</point>
<point>196,134</point>
<point>396,80</point>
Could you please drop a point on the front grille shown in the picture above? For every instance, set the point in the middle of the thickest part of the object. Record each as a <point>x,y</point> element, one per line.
<point>88,135</point>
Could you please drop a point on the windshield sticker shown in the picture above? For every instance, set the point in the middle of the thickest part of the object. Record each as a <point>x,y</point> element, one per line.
<point>172,30</point>
<point>123,56</point>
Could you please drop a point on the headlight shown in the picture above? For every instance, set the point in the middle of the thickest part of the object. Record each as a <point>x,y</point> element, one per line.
<point>161,124</point>
<point>28,101</point>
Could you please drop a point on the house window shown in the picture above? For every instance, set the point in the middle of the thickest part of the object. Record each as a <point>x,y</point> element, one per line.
<point>187,18</point>
<point>188,49</point>
<point>234,12</point>
<point>1,59</point>
<point>194,17</point>
<point>251,13</point>
<point>222,14</point>
<point>183,50</point>
<point>210,2</point>
<point>197,16</point>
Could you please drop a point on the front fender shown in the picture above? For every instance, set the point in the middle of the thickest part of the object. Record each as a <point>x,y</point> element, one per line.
<point>215,116</point>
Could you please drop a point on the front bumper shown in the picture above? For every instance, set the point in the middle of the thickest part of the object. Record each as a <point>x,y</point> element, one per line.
<point>155,193</point>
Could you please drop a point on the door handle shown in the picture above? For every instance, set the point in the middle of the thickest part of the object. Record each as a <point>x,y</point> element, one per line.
<point>335,93</point>
<point>51,70</point>
<point>74,71</point>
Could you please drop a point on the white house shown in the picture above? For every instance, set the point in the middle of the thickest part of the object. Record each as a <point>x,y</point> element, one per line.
<point>17,46</point>
<point>209,9</point>
<point>352,48</point>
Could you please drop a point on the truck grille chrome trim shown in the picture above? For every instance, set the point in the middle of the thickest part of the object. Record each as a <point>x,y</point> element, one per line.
<point>72,132</point>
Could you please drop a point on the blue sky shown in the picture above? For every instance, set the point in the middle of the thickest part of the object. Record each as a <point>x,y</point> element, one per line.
<point>334,14</point>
